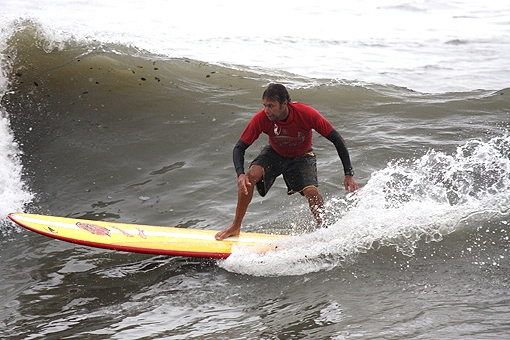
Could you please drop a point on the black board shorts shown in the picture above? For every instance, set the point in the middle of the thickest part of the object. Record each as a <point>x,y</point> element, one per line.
<point>298,173</point>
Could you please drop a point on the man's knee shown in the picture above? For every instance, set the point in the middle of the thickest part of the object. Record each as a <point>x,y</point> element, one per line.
<point>255,173</point>
<point>311,192</point>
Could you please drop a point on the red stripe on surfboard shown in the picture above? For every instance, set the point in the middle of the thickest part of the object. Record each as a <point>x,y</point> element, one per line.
<point>213,255</point>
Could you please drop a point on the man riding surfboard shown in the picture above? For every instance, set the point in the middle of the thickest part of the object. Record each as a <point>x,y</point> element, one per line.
<point>289,153</point>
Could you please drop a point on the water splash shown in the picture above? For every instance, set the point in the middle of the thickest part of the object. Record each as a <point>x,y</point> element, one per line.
<point>408,202</point>
<point>13,193</point>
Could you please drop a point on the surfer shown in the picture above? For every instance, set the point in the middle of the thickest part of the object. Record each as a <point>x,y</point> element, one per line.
<point>289,153</point>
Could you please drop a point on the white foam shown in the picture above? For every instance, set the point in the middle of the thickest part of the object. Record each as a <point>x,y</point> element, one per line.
<point>13,193</point>
<point>401,205</point>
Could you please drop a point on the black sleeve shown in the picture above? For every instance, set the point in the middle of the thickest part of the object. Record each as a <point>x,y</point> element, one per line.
<point>339,143</point>
<point>238,155</point>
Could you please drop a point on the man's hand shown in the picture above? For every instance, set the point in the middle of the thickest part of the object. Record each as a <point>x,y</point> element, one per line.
<point>350,184</point>
<point>243,182</point>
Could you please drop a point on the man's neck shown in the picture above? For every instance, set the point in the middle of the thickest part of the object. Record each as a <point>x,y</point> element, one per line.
<point>286,116</point>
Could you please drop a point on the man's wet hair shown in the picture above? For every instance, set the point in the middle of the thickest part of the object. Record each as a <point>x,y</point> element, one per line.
<point>276,92</point>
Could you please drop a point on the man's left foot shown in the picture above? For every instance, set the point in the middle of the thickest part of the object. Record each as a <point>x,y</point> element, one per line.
<point>230,231</point>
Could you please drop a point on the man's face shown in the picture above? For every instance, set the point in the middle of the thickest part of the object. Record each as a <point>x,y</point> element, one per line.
<point>274,110</point>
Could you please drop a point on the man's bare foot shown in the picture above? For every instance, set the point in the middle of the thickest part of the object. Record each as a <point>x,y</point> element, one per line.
<point>230,231</point>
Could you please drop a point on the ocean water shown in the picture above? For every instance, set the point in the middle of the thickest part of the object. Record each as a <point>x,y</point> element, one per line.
<point>128,111</point>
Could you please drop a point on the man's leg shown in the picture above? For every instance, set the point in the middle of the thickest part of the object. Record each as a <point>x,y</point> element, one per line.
<point>316,204</point>
<point>243,200</point>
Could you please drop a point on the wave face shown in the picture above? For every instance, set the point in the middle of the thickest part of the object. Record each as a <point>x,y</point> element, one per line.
<point>116,130</point>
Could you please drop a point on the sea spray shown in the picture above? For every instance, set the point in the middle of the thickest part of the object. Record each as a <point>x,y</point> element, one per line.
<point>13,192</point>
<point>408,202</point>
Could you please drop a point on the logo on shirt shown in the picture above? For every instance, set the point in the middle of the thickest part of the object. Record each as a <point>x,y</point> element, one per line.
<point>276,130</point>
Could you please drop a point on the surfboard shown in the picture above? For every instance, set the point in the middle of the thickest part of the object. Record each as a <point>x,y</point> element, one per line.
<point>147,239</point>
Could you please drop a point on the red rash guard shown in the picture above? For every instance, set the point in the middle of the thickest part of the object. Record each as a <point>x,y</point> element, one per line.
<point>290,138</point>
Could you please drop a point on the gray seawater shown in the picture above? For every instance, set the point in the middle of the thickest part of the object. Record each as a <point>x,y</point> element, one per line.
<point>109,132</point>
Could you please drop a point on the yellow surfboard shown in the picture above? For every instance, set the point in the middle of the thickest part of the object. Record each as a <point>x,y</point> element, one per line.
<point>144,238</point>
